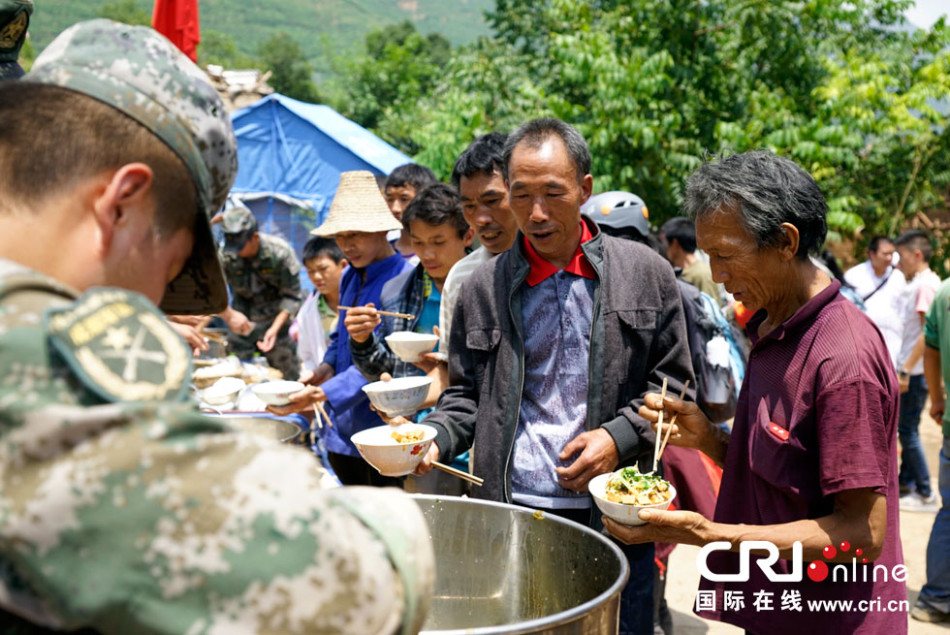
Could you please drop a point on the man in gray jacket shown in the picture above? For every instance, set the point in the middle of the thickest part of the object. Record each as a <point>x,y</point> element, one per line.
<point>554,343</point>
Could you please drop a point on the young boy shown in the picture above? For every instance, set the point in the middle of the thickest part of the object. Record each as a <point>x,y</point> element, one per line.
<point>317,318</point>
<point>358,221</point>
<point>440,237</point>
<point>400,189</point>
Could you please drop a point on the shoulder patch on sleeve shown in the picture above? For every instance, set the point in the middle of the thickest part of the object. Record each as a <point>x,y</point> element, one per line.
<point>120,346</point>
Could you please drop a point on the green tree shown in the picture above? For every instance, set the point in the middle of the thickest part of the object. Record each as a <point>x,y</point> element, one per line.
<point>221,48</point>
<point>292,73</point>
<point>127,11</point>
<point>400,67</point>
<point>845,88</point>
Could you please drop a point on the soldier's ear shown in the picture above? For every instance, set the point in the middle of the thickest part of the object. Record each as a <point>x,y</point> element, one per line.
<point>125,196</point>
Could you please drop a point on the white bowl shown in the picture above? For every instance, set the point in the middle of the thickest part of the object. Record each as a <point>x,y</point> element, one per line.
<point>223,391</point>
<point>389,457</point>
<point>402,396</point>
<point>409,346</point>
<point>621,512</point>
<point>276,393</point>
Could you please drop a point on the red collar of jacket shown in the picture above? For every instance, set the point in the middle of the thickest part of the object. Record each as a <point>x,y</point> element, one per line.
<point>541,269</point>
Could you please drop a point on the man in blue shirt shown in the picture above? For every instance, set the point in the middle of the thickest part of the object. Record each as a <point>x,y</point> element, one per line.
<point>358,220</point>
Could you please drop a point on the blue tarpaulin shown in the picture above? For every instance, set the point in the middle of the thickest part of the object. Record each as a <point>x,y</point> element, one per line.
<point>290,156</point>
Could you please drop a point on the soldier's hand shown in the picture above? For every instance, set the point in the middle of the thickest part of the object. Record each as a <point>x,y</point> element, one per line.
<point>238,322</point>
<point>425,465</point>
<point>266,344</point>
<point>361,321</point>
<point>197,321</point>
<point>191,335</point>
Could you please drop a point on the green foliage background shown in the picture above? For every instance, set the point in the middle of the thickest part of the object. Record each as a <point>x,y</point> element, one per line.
<point>319,26</point>
<point>848,89</point>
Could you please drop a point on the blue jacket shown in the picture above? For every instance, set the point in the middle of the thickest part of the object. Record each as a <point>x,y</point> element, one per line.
<point>351,412</point>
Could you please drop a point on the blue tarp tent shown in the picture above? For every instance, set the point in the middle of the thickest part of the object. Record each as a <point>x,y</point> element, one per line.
<point>290,156</point>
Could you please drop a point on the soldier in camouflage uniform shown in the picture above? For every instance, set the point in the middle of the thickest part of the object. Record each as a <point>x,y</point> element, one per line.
<point>14,22</point>
<point>264,276</point>
<point>122,509</point>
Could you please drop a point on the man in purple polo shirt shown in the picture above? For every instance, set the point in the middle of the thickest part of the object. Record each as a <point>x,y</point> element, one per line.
<point>811,464</point>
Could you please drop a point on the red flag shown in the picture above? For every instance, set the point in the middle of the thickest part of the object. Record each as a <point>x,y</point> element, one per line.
<point>178,21</point>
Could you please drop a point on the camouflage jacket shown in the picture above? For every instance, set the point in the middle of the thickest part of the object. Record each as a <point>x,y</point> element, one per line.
<point>143,516</point>
<point>263,286</point>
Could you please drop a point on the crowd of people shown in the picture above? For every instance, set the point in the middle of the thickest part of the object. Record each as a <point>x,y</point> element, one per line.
<point>560,315</point>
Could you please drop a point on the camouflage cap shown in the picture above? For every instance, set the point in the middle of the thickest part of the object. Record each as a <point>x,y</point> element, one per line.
<point>140,73</point>
<point>238,224</point>
<point>14,22</point>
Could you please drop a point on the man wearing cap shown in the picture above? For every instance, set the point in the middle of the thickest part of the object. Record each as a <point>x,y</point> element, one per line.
<point>122,509</point>
<point>359,220</point>
<point>14,22</point>
<point>263,273</point>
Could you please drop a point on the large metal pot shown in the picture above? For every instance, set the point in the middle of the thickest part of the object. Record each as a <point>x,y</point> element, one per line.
<point>276,429</point>
<point>504,569</point>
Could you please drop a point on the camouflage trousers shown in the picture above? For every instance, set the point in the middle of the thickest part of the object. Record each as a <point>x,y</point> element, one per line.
<point>283,356</point>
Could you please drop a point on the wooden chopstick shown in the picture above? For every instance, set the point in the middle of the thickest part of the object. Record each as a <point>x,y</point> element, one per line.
<point>214,337</point>
<point>659,427</point>
<point>669,426</point>
<point>405,316</point>
<point>323,412</point>
<point>465,476</point>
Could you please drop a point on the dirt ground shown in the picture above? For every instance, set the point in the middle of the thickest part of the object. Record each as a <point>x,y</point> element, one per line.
<point>683,577</point>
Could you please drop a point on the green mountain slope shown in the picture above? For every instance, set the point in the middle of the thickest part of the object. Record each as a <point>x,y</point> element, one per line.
<point>314,24</point>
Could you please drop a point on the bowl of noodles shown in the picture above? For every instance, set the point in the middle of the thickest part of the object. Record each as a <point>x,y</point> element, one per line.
<point>622,494</point>
<point>394,450</point>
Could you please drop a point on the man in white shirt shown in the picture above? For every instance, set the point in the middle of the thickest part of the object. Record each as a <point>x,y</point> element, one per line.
<point>882,292</point>
<point>914,248</point>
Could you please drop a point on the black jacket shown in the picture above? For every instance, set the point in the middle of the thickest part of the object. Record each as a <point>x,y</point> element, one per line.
<point>638,337</point>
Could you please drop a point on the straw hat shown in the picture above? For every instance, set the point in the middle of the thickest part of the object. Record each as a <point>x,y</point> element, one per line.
<point>357,207</point>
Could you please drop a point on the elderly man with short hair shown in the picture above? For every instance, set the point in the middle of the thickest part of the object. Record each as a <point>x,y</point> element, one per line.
<point>812,457</point>
<point>554,343</point>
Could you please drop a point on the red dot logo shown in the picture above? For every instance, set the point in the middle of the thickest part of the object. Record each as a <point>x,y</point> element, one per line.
<point>845,545</point>
<point>829,552</point>
<point>817,571</point>
<point>859,552</point>
<point>864,560</point>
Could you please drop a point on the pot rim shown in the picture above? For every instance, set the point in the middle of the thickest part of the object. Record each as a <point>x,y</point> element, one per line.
<point>563,617</point>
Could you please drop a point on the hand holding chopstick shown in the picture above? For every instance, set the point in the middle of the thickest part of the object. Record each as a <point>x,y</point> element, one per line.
<point>669,426</point>
<point>405,316</point>
<point>465,476</point>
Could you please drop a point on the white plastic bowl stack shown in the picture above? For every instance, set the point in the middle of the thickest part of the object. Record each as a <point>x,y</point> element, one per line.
<point>402,396</point>
<point>276,393</point>
<point>389,457</point>
<point>223,391</point>
<point>409,346</point>
<point>621,512</point>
